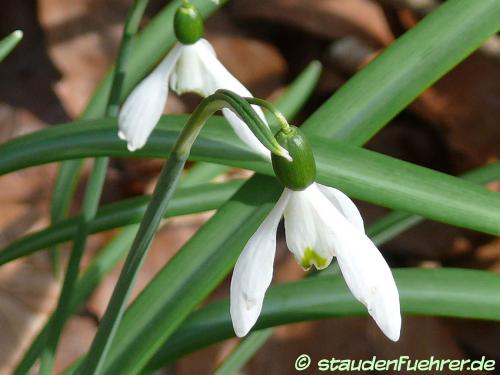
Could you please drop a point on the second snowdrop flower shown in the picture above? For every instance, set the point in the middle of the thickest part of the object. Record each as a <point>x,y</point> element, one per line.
<point>191,66</point>
<point>320,223</point>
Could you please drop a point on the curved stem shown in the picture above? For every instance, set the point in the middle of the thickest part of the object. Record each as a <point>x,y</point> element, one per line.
<point>285,126</point>
<point>165,187</point>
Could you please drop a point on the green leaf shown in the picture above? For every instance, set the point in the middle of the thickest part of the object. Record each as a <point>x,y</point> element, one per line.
<point>406,68</point>
<point>201,173</point>
<point>67,180</point>
<point>161,197</point>
<point>182,283</point>
<point>297,93</point>
<point>243,352</point>
<point>290,102</point>
<point>457,293</point>
<point>201,275</point>
<point>8,43</point>
<point>383,230</point>
<point>360,173</point>
<point>189,300</point>
<point>91,198</point>
<point>186,275</point>
<point>149,47</point>
<point>101,265</point>
<point>199,198</point>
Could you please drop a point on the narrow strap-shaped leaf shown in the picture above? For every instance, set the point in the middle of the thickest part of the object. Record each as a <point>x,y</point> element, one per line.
<point>131,210</point>
<point>199,197</point>
<point>243,352</point>
<point>383,230</point>
<point>360,173</point>
<point>189,200</point>
<point>101,265</point>
<point>378,92</point>
<point>222,237</point>
<point>94,362</point>
<point>189,300</point>
<point>152,43</point>
<point>457,293</point>
<point>297,93</point>
<point>165,187</point>
<point>8,43</point>
<point>91,197</point>
<point>190,273</point>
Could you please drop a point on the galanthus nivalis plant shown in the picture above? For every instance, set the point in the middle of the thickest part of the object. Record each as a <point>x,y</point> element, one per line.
<point>191,66</point>
<point>320,223</point>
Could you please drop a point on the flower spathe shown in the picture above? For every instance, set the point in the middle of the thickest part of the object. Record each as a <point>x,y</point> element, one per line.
<point>186,68</point>
<point>320,222</point>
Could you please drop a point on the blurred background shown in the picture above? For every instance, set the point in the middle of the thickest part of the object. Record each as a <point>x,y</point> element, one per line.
<point>69,45</point>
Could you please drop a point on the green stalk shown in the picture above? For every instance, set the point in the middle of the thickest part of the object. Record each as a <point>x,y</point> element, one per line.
<point>153,307</point>
<point>67,179</point>
<point>132,210</point>
<point>161,197</point>
<point>152,43</point>
<point>282,121</point>
<point>116,250</point>
<point>165,187</point>
<point>8,43</point>
<point>289,104</point>
<point>90,203</point>
<point>92,195</point>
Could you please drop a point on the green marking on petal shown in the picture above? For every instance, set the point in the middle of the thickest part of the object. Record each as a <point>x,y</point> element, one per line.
<point>311,257</point>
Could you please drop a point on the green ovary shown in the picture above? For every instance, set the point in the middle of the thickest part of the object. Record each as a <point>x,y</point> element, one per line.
<point>311,257</point>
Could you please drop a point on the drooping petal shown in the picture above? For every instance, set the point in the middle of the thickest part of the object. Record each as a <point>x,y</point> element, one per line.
<point>253,271</point>
<point>344,204</point>
<point>143,108</point>
<point>304,235</point>
<point>198,70</point>
<point>192,73</point>
<point>245,134</point>
<point>364,269</point>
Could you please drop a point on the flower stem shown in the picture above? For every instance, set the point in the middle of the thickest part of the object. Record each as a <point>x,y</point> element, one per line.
<point>92,196</point>
<point>165,187</point>
<point>285,126</point>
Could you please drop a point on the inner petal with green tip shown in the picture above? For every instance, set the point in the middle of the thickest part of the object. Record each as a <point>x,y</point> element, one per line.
<point>311,257</point>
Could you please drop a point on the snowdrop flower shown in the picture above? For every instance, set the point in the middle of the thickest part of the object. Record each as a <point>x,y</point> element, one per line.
<point>320,223</point>
<point>191,66</point>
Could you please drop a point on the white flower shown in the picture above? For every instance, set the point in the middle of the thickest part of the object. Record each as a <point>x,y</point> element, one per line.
<point>187,68</point>
<point>320,222</point>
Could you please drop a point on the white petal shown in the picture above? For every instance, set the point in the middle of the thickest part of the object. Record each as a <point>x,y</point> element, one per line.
<point>366,272</point>
<point>143,108</point>
<point>192,73</point>
<point>344,204</point>
<point>305,236</point>
<point>246,135</point>
<point>253,271</point>
<point>198,70</point>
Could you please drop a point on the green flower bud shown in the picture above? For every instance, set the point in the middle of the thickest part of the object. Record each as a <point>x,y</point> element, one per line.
<point>188,24</point>
<point>299,173</point>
